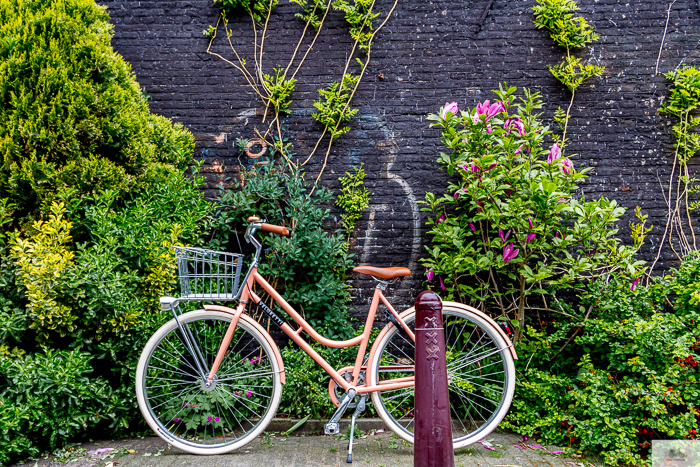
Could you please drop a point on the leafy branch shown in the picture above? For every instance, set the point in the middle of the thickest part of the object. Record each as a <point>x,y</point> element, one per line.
<point>569,31</point>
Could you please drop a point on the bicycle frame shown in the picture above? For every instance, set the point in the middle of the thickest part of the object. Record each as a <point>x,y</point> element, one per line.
<point>362,340</point>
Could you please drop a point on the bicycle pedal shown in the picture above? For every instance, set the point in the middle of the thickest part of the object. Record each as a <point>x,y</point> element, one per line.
<point>331,428</point>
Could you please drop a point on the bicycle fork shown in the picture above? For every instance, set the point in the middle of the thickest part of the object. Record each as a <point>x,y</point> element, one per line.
<point>192,347</point>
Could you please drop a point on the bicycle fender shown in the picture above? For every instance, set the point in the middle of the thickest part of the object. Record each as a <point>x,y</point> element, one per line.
<point>468,308</point>
<point>492,322</point>
<point>262,330</point>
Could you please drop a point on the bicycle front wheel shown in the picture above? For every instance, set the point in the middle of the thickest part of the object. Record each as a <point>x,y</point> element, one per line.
<point>480,372</point>
<point>213,419</point>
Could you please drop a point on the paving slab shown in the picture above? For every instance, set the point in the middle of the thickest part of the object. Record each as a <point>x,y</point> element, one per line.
<point>273,450</point>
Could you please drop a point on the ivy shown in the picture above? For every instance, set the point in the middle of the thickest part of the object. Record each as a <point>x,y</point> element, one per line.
<point>311,12</point>
<point>359,15</point>
<point>280,88</point>
<point>334,109</point>
<point>353,198</point>
<point>571,32</point>
<point>567,30</point>
<point>572,74</point>
<point>684,98</point>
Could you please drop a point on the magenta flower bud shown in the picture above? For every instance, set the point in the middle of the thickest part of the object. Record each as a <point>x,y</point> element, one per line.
<point>503,236</point>
<point>442,284</point>
<point>529,220</point>
<point>209,418</point>
<point>482,108</point>
<point>634,284</point>
<point>429,274</point>
<point>471,226</point>
<point>531,237</point>
<point>491,167</point>
<point>516,123</point>
<point>450,109</point>
<point>554,154</point>
<point>567,166</point>
<point>510,252</point>
<point>441,218</point>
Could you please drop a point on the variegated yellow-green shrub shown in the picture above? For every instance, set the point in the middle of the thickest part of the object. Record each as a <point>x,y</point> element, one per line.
<point>93,193</point>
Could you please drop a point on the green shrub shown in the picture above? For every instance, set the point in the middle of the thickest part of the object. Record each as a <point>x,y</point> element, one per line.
<point>310,266</point>
<point>627,376</point>
<point>513,226</point>
<point>93,194</point>
<point>73,116</point>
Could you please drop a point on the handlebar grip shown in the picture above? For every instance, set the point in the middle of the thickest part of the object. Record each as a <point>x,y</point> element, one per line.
<point>278,229</point>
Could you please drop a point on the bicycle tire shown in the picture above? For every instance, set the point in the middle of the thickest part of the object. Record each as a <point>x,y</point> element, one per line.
<point>399,418</point>
<point>234,411</point>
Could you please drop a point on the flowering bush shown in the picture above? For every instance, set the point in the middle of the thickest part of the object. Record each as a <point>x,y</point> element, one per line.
<point>514,224</point>
<point>625,376</point>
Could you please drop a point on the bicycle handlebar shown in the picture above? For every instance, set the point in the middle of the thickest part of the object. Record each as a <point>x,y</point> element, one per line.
<point>278,229</point>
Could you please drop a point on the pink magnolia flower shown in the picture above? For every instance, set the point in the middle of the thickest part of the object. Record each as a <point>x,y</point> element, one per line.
<point>537,446</point>
<point>634,284</point>
<point>472,226</point>
<point>441,218</point>
<point>461,190</point>
<point>554,153</point>
<point>514,123</point>
<point>503,236</point>
<point>491,167</point>
<point>510,252</point>
<point>556,452</point>
<point>529,221</point>
<point>490,448</point>
<point>519,150</point>
<point>567,166</point>
<point>519,446</point>
<point>450,109</point>
<point>442,284</point>
<point>485,108</point>
<point>523,439</point>
<point>531,237</point>
<point>429,274</point>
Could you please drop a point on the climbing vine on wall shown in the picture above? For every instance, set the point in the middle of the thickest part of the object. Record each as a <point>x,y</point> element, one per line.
<point>571,32</point>
<point>684,98</point>
<point>275,85</point>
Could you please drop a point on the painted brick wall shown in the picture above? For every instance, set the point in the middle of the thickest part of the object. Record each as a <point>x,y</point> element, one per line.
<point>430,52</point>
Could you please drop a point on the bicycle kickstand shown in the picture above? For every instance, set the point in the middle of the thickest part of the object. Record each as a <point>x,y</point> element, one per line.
<point>358,410</point>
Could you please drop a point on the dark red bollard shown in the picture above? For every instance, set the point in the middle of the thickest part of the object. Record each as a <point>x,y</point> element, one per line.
<point>433,430</point>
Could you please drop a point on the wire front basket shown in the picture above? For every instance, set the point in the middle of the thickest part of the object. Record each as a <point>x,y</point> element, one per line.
<point>208,275</point>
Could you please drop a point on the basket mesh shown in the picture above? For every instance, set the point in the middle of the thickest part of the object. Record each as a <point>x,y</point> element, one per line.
<point>208,275</point>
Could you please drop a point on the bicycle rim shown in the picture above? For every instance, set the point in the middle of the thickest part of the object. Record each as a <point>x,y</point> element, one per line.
<point>481,377</point>
<point>200,419</point>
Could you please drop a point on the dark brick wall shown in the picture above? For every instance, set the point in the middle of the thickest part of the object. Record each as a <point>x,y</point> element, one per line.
<point>430,52</point>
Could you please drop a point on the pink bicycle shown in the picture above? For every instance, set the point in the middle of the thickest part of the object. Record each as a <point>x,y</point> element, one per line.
<point>209,381</point>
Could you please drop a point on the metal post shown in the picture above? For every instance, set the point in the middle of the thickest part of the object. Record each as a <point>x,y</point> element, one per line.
<point>433,429</point>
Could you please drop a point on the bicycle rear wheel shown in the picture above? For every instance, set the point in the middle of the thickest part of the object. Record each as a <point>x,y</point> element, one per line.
<point>224,416</point>
<point>480,371</point>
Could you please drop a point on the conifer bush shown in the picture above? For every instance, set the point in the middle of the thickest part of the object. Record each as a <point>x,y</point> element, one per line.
<point>93,193</point>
